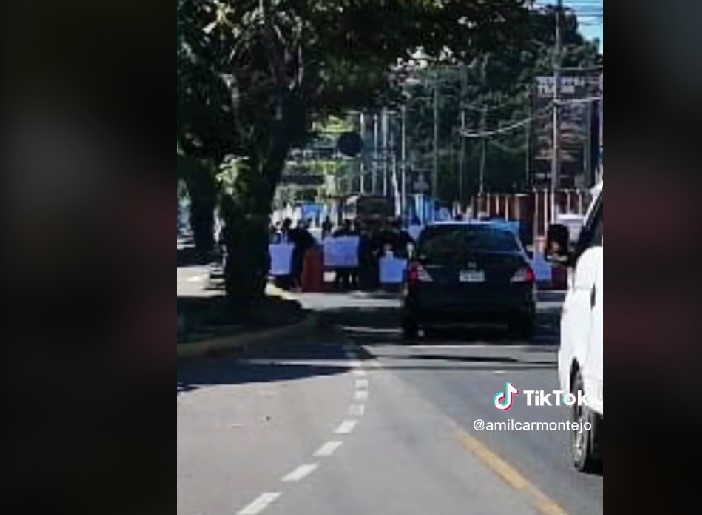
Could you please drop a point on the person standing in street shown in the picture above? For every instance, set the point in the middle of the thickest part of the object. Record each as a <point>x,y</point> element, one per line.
<point>284,235</point>
<point>367,271</point>
<point>376,249</point>
<point>327,227</point>
<point>285,230</point>
<point>342,276</point>
<point>302,241</point>
<point>400,240</point>
<point>354,272</point>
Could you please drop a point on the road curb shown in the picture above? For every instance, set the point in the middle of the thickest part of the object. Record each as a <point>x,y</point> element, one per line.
<point>243,343</point>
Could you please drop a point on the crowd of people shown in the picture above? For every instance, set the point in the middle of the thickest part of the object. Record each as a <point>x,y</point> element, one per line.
<point>375,240</point>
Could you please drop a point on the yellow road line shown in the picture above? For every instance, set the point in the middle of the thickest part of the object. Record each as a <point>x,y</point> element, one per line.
<point>509,474</point>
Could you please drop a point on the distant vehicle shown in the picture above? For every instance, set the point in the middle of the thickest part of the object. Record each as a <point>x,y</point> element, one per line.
<point>368,208</point>
<point>580,358</point>
<point>466,273</point>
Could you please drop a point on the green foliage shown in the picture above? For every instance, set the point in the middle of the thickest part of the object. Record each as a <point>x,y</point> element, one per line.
<point>502,81</point>
<point>252,75</point>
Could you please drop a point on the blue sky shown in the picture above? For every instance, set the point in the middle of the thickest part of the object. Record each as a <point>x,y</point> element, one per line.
<point>590,15</point>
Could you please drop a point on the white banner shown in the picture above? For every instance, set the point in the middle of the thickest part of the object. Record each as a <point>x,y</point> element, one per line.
<point>281,258</point>
<point>341,252</point>
<point>392,269</point>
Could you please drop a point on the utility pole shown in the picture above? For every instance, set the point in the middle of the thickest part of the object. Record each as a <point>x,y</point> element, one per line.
<point>435,167</point>
<point>362,174</point>
<point>385,153</point>
<point>529,129</point>
<point>374,175</point>
<point>587,161</point>
<point>403,200</point>
<point>483,126</point>
<point>394,177</point>
<point>556,154</point>
<point>483,151</point>
<point>462,155</point>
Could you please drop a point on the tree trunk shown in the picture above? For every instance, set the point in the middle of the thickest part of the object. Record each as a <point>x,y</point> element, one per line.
<point>247,215</point>
<point>203,195</point>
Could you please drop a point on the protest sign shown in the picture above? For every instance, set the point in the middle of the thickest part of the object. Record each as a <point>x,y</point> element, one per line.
<point>341,252</point>
<point>392,269</point>
<point>281,258</point>
<point>541,267</point>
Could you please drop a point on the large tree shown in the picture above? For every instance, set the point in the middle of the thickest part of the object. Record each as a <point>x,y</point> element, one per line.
<point>253,73</point>
<point>501,82</point>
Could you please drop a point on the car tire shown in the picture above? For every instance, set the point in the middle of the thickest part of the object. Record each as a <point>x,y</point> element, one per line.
<point>585,445</point>
<point>410,330</point>
<point>522,328</point>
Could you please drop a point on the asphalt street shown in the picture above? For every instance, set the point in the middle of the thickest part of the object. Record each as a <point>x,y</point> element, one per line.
<point>353,421</point>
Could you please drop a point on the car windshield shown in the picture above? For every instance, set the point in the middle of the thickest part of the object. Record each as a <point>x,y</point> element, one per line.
<point>457,240</point>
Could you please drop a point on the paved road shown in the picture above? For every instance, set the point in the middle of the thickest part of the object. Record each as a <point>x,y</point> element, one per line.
<point>354,422</point>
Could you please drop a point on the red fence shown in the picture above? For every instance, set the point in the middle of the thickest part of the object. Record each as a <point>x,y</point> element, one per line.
<point>536,210</point>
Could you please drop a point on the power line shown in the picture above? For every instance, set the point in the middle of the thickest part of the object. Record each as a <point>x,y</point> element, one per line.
<point>584,100</point>
<point>499,107</point>
<point>484,134</point>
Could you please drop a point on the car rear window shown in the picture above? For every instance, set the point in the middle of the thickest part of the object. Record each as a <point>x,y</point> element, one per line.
<point>449,240</point>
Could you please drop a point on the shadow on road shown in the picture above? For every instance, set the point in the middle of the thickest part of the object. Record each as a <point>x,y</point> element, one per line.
<point>229,371</point>
<point>210,373</point>
<point>474,359</point>
<point>214,315</point>
<point>380,324</point>
<point>188,256</point>
<point>364,332</point>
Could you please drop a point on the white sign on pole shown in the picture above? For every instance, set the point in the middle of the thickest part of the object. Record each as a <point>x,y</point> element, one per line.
<point>392,269</point>
<point>281,258</point>
<point>341,252</point>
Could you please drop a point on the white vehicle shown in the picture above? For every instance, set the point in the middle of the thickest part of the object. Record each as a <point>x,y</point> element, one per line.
<point>580,358</point>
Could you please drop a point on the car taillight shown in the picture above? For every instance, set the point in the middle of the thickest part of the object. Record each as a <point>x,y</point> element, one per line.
<point>524,275</point>
<point>417,274</point>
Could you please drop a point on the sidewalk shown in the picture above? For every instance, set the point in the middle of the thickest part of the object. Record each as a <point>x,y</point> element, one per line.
<point>206,326</point>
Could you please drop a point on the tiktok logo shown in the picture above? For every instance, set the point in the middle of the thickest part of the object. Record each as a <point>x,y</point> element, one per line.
<point>503,400</point>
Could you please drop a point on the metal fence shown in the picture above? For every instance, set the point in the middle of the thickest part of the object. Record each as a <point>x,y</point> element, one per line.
<point>535,210</point>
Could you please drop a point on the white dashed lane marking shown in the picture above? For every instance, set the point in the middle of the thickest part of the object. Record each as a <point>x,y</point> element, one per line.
<point>260,504</point>
<point>346,427</point>
<point>361,395</point>
<point>300,472</point>
<point>328,449</point>
<point>356,410</point>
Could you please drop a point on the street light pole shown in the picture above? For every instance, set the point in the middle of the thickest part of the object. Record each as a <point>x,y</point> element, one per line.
<point>374,169</point>
<point>529,129</point>
<point>362,177</point>
<point>483,151</point>
<point>556,154</point>
<point>462,155</point>
<point>435,168</point>
<point>403,151</point>
<point>385,153</point>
